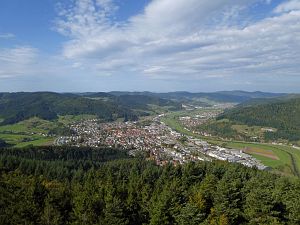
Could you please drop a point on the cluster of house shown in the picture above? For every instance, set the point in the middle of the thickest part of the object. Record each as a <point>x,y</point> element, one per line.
<point>198,119</point>
<point>163,144</point>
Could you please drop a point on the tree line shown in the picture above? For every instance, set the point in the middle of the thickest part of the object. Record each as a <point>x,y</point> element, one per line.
<point>56,185</point>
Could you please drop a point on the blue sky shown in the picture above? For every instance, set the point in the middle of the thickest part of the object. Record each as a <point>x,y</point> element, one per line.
<point>152,45</point>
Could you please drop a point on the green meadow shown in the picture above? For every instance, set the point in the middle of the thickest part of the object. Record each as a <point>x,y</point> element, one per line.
<point>34,130</point>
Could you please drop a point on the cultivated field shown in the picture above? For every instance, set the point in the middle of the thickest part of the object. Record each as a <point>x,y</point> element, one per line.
<point>261,152</point>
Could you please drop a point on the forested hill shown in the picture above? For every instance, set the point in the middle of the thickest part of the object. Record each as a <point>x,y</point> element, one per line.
<point>220,96</point>
<point>283,114</point>
<point>15,107</point>
<point>57,186</point>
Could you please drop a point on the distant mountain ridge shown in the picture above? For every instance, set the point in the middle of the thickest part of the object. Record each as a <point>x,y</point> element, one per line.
<point>258,101</point>
<point>221,96</point>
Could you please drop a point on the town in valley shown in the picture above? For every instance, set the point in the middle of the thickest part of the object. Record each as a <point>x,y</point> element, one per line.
<point>155,139</point>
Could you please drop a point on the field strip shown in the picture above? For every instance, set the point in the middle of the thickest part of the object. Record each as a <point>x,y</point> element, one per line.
<point>266,153</point>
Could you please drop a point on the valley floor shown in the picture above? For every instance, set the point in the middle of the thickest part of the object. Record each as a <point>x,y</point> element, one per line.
<point>283,159</point>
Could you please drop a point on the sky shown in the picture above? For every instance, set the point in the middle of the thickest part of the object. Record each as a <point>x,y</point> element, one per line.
<point>150,45</point>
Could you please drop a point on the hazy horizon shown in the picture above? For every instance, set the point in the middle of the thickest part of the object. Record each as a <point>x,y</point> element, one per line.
<point>156,92</point>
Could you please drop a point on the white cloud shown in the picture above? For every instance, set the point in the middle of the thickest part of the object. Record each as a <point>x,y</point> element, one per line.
<point>17,61</point>
<point>183,39</point>
<point>92,30</point>
<point>7,36</point>
<point>292,5</point>
<point>85,18</point>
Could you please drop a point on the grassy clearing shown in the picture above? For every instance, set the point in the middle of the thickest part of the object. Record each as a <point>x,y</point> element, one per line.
<point>28,132</point>
<point>33,130</point>
<point>156,109</point>
<point>254,131</point>
<point>68,119</point>
<point>38,142</point>
<point>13,138</point>
<point>194,112</point>
<point>19,140</point>
<point>32,125</point>
<point>295,156</point>
<point>171,122</point>
<point>262,152</point>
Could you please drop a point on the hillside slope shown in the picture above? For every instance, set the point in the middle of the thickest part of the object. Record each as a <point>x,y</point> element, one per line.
<point>15,107</point>
<point>284,115</point>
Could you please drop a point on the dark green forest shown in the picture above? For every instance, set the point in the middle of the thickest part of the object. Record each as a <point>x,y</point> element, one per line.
<point>282,114</point>
<point>15,107</point>
<point>55,185</point>
<point>3,144</point>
